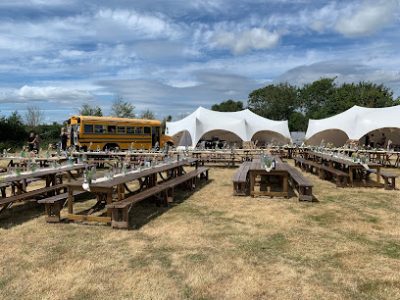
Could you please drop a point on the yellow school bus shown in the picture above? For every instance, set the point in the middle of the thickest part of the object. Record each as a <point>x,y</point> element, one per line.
<point>92,133</point>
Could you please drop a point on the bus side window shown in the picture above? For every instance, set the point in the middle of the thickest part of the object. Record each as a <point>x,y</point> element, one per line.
<point>98,129</point>
<point>111,129</point>
<point>138,130</point>
<point>147,130</point>
<point>88,128</point>
<point>130,130</point>
<point>120,130</point>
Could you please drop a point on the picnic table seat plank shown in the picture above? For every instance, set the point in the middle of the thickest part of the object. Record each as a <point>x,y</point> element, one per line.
<point>240,179</point>
<point>54,204</point>
<point>120,209</point>
<point>32,194</point>
<point>389,178</point>
<point>301,184</point>
<point>323,171</point>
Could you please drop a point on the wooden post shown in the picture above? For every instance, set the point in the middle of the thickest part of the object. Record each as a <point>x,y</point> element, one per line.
<point>286,184</point>
<point>70,201</point>
<point>109,201</point>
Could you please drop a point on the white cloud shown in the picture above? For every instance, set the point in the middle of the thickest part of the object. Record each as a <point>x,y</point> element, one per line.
<point>344,71</point>
<point>138,24</point>
<point>242,41</point>
<point>366,18</point>
<point>46,93</point>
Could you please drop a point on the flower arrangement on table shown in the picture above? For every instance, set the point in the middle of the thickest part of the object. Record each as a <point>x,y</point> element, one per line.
<point>5,152</point>
<point>267,162</point>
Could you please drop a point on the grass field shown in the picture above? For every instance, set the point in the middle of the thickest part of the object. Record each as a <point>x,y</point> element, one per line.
<point>212,245</point>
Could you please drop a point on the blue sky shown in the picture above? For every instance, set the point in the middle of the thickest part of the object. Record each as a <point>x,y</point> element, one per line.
<point>173,56</point>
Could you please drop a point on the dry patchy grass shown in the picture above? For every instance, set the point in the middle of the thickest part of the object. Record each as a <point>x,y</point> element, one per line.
<point>212,245</point>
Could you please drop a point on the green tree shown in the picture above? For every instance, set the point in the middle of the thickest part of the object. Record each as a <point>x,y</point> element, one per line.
<point>315,97</point>
<point>33,116</point>
<point>88,110</point>
<point>297,122</point>
<point>276,102</point>
<point>365,94</point>
<point>49,133</point>
<point>12,131</point>
<point>147,114</point>
<point>122,109</point>
<point>229,105</point>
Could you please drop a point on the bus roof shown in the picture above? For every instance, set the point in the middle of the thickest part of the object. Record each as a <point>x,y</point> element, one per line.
<point>114,119</point>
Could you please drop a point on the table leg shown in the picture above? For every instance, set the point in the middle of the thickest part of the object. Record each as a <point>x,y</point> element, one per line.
<point>378,174</point>
<point>109,201</point>
<point>286,185</point>
<point>121,192</point>
<point>351,176</point>
<point>70,201</point>
<point>252,179</point>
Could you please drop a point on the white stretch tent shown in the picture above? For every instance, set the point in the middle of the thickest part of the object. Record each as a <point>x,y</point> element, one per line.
<point>242,125</point>
<point>352,124</point>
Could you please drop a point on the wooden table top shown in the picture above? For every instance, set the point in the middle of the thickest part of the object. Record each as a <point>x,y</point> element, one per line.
<point>341,160</point>
<point>41,172</point>
<point>133,175</point>
<point>255,165</point>
<point>52,158</point>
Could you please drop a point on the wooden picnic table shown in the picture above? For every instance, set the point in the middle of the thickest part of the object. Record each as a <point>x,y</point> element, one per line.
<point>384,157</point>
<point>53,178</point>
<point>343,164</point>
<point>280,172</point>
<point>104,189</point>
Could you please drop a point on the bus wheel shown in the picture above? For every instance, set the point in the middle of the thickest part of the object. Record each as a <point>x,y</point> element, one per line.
<point>110,147</point>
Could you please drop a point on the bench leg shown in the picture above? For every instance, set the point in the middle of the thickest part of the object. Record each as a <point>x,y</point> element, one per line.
<point>305,194</point>
<point>120,218</point>
<point>53,211</point>
<point>390,184</point>
<point>170,195</point>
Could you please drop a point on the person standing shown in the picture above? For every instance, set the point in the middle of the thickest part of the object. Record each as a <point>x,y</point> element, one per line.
<point>31,138</point>
<point>36,144</point>
<point>64,139</point>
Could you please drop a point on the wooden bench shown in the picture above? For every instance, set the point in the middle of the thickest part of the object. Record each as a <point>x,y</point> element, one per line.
<point>299,161</point>
<point>341,178</point>
<point>7,202</point>
<point>306,165</point>
<point>219,161</point>
<point>389,178</point>
<point>54,204</point>
<point>301,184</point>
<point>240,179</point>
<point>120,209</point>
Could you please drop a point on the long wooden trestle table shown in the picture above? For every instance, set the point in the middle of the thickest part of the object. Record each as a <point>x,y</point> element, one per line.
<point>104,190</point>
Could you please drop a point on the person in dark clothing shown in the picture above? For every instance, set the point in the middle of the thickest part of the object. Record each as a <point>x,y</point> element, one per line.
<point>64,139</point>
<point>36,144</point>
<point>31,139</point>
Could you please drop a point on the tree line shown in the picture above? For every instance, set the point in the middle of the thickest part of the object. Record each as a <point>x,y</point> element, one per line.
<point>317,100</point>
